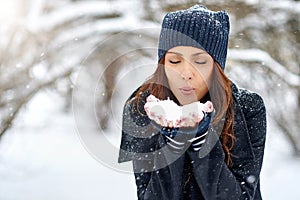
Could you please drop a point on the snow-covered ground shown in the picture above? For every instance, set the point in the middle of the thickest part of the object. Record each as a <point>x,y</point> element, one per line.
<point>42,157</point>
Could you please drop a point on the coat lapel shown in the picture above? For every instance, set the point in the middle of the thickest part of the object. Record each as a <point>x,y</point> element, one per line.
<point>242,149</point>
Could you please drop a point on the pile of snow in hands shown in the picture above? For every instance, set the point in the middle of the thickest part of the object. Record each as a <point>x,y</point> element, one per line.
<point>171,113</point>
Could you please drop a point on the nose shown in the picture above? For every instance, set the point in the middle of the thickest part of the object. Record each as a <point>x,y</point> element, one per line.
<point>187,71</point>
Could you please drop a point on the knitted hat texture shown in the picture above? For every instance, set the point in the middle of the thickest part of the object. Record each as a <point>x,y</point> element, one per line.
<point>196,27</point>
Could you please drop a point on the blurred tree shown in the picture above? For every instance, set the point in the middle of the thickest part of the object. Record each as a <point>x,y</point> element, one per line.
<point>48,42</point>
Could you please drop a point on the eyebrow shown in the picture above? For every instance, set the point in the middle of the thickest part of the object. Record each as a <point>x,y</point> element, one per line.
<point>195,54</point>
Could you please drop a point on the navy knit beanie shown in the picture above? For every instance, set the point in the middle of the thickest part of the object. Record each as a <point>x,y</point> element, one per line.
<point>196,27</point>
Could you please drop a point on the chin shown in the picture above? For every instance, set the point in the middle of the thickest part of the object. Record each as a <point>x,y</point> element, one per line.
<point>187,101</point>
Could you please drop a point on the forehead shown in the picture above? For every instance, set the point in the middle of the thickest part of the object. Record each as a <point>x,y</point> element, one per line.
<point>186,51</point>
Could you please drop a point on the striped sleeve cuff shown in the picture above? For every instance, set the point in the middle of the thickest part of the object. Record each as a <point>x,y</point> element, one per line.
<point>176,146</point>
<point>197,142</point>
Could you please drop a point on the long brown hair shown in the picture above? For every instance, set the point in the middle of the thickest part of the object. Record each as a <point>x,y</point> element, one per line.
<point>219,92</point>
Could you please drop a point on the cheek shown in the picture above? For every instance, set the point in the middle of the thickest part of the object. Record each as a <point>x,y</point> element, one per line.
<point>204,74</point>
<point>207,70</point>
<point>172,75</point>
<point>204,77</point>
<point>207,76</point>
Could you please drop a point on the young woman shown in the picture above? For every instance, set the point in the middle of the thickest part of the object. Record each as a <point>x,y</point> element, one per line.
<point>219,157</point>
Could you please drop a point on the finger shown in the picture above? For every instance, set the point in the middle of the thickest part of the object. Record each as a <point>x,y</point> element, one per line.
<point>170,123</point>
<point>177,123</point>
<point>162,121</point>
<point>194,117</point>
<point>157,121</point>
<point>147,111</point>
<point>152,114</point>
<point>151,98</point>
<point>165,123</point>
<point>182,121</point>
<point>199,118</point>
<point>191,122</point>
<point>209,106</point>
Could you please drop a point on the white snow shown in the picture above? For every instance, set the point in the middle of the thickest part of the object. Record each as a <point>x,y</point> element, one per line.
<point>163,108</point>
<point>66,13</point>
<point>172,113</point>
<point>128,20</point>
<point>280,172</point>
<point>42,157</point>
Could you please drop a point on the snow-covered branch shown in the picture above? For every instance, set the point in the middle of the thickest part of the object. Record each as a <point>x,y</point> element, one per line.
<point>35,87</point>
<point>257,55</point>
<point>103,27</point>
<point>288,6</point>
<point>66,14</point>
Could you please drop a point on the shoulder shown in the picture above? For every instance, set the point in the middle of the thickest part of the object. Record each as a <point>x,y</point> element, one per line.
<point>141,95</point>
<point>250,108</point>
<point>250,102</point>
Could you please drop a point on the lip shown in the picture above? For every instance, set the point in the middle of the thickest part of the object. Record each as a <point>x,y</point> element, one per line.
<point>187,90</point>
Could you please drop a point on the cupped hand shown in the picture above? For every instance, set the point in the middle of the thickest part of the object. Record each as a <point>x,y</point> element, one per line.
<point>167,114</point>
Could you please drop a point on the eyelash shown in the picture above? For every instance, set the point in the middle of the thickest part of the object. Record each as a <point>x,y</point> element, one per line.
<point>176,62</point>
<point>201,63</point>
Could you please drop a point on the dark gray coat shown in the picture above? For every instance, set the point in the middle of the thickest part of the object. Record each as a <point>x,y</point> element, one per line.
<point>198,175</point>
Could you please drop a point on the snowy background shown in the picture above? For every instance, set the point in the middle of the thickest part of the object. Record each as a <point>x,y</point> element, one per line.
<point>66,68</point>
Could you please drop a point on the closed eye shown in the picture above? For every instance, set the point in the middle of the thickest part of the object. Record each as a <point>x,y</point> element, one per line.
<point>200,63</point>
<point>174,62</point>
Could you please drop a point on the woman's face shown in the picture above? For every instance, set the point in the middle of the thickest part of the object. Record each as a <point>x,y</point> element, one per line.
<point>189,71</point>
